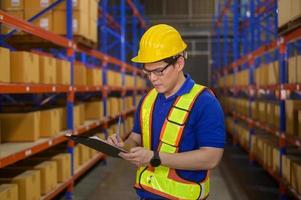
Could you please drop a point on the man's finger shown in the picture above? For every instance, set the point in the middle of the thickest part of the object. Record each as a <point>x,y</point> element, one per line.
<point>135,149</point>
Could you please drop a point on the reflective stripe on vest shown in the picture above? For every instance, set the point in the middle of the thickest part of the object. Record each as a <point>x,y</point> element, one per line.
<point>162,180</point>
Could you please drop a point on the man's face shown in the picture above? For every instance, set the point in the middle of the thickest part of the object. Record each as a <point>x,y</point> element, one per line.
<point>162,75</point>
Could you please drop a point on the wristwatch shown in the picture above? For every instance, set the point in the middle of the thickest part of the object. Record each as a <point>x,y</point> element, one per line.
<point>155,161</point>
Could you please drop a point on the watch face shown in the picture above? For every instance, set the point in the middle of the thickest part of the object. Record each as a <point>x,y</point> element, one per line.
<point>155,162</point>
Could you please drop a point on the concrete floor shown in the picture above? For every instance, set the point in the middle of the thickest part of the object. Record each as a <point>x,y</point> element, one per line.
<point>116,178</point>
<point>235,179</point>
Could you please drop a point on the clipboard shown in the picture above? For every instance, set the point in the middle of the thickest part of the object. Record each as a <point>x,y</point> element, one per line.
<point>98,144</point>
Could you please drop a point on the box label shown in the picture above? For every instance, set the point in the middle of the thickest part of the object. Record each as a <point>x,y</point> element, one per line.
<point>44,23</point>
<point>75,25</point>
<point>15,3</point>
<point>74,3</point>
<point>44,3</point>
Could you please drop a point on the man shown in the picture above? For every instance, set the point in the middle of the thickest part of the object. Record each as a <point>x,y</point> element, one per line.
<point>178,132</point>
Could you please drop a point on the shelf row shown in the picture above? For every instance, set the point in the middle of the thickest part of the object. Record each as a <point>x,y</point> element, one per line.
<point>265,115</point>
<point>264,149</point>
<point>13,152</point>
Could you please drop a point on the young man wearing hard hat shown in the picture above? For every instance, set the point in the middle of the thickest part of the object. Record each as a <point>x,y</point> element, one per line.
<point>179,132</point>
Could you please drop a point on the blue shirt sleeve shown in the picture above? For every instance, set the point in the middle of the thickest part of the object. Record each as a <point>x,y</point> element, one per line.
<point>209,124</point>
<point>137,127</point>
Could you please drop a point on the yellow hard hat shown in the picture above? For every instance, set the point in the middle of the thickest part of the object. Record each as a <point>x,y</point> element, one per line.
<point>159,42</point>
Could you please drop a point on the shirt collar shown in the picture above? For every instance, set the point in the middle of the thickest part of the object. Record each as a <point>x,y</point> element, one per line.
<point>184,89</point>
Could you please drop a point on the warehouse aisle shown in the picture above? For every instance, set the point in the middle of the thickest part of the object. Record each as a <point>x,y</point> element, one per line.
<point>115,179</point>
<point>234,179</point>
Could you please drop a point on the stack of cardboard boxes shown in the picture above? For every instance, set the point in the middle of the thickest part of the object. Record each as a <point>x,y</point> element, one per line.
<point>294,70</point>
<point>293,117</point>
<point>288,10</point>
<point>27,67</point>
<point>84,21</point>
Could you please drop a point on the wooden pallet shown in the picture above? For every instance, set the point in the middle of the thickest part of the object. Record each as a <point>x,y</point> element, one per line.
<point>27,42</point>
<point>82,41</point>
<point>290,26</point>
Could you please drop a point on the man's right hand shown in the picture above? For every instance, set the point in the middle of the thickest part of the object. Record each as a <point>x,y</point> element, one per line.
<point>115,140</point>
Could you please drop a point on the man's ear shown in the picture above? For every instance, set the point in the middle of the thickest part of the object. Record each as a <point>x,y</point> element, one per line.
<point>180,63</point>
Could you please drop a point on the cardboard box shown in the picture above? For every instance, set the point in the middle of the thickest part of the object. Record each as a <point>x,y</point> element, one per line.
<point>273,73</point>
<point>47,169</point>
<point>291,109</point>
<point>299,69</point>
<point>276,116</point>
<point>28,182</point>
<point>262,111</point>
<point>24,67</point>
<point>0,131</point>
<point>9,5</point>
<point>47,70</point>
<point>76,163</point>
<point>20,127</point>
<point>94,110</point>
<point>84,154</point>
<point>80,74</point>
<point>93,30</point>
<point>78,115</point>
<point>50,122</point>
<point>286,168</point>
<point>4,65</point>
<point>44,22</point>
<point>63,72</point>
<point>296,175</point>
<point>295,9</point>
<point>9,192</point>
<point>77,5</point>
<point>5,29</point>
<point>80,23</point>
<point>276,160</point>
<point>93,10</point>
<point>63,118</point>
<point>292,69</point>
<point>37,4</point>
<point>299,124</point>
<point>270,112</point>
<point>284,12</point>
<point>94,77</point>
<point>63,166</point>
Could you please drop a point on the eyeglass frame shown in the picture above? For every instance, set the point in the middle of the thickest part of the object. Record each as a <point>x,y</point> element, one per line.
<point>160,71</point>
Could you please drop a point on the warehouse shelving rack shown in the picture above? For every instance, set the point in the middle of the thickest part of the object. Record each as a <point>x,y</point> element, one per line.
<point>87,55</point>
<point>251,21</point>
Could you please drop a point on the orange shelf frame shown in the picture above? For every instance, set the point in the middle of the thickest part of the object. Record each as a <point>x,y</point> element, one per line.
<point>11,88</point>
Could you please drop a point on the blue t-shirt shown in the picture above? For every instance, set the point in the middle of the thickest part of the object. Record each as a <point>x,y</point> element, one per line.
<point>205,127</point>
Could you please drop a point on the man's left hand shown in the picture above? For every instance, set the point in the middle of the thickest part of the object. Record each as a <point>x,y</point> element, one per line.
<point>139,156</point>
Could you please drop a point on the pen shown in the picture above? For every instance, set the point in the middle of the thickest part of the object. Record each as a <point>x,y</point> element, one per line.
<point>118,129</point>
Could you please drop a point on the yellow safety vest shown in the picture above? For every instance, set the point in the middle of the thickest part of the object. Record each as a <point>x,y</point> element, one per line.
<point>162,180</point>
